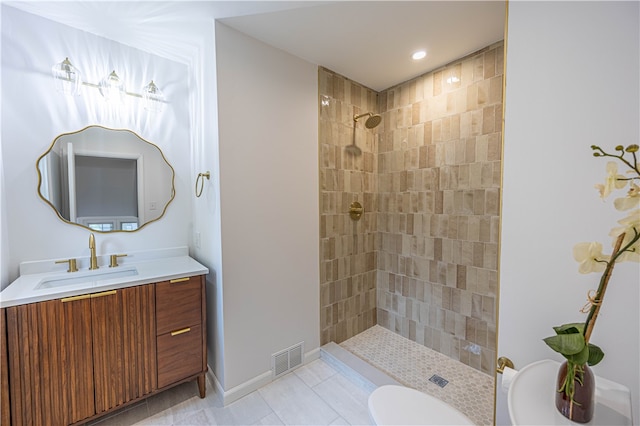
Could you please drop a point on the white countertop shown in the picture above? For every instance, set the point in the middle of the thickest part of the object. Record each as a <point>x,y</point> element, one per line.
<point>150,267</point>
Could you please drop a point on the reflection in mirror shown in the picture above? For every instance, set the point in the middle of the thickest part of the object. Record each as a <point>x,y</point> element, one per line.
<point>105,179</point>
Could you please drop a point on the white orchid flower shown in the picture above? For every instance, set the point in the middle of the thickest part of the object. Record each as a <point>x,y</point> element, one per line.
<point>612,181</point>
<point>629,223</point>
<point>590,257</point>
<point>632,200</point>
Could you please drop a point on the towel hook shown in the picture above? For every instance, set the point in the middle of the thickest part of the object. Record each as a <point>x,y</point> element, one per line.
<point>200,180</point>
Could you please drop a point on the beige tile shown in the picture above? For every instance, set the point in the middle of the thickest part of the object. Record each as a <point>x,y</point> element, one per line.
<point>432,170</point>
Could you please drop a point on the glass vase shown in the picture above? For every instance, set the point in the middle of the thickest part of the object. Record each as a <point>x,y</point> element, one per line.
<point>579,408</point>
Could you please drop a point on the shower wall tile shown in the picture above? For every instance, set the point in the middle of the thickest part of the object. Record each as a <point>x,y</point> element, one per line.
<point>439,165</point>
<point>348,259</point>
<point>422,261</point>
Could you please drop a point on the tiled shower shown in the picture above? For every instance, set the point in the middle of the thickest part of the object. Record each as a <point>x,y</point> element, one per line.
<point>423,259</point>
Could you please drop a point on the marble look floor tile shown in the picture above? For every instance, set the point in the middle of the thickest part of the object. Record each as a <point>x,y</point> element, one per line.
<point>245,411</point>
<point>295,403</point>
<point>186,409</point>
<point>166,400</point>
<point>348,399</point>
<point>315,372</point>
<point>158,419</point>
<point>196,418</point>
<point>271,419</point>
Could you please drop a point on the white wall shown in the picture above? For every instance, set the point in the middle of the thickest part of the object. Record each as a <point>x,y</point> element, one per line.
<point>269,182</point>
<point>572,81</point>
<point>33,114</point>
<point>268,142</point>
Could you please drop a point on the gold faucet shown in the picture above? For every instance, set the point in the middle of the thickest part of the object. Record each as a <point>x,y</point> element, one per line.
<point>92,247</point>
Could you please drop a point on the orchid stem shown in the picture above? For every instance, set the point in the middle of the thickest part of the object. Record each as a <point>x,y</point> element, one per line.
<point>604,281</point>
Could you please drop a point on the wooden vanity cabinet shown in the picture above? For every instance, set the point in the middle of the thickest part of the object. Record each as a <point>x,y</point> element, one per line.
<point>72,360</point>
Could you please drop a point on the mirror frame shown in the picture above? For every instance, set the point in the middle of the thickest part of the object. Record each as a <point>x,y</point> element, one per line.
<point>40,180</point>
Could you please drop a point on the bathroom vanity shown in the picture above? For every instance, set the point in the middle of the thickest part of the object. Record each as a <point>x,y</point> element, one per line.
<point>80,346</point>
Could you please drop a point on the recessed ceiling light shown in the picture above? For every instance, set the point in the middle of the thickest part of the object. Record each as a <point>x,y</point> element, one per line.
<point>420,54</point>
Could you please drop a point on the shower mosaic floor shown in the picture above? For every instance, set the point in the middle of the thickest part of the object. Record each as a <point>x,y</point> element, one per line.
<point>412,364</point>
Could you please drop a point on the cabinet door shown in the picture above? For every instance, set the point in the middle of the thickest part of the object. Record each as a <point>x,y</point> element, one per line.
<point>124,345</point>
<point>50,362</point>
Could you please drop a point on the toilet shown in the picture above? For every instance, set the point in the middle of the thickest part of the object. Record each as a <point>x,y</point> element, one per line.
<point>399,405</point>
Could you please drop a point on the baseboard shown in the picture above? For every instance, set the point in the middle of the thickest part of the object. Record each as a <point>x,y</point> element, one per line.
<point>251,385</point>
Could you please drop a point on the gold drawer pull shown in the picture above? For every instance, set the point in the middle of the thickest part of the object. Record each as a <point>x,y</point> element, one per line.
<point>184,330</point>
<point>179,280</point>
<point>72,298</point>
<point>104,293</point>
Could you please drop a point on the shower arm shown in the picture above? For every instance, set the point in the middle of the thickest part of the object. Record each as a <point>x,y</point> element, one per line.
<point>356,117</point>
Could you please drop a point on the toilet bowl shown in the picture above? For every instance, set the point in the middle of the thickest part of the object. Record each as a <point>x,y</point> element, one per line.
<point>399,405</point>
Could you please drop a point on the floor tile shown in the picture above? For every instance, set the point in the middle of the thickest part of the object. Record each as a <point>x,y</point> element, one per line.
<point>245,411</point>
<point>349,400</point>
<point>315,372</point>
<point>196,418</point>
<point>295,403</point>
<point>271,419</point>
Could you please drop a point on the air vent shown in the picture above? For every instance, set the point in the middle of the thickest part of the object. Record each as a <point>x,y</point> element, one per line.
<point>287,359</point>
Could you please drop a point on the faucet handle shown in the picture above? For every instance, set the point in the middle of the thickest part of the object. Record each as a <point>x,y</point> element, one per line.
<point>114,260</point>
<point>73,266</point>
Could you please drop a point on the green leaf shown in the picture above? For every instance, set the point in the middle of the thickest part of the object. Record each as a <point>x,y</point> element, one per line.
<point>566,344</point>
<point>595,354</point>
<point>581,357</point>
<point>571,328</point>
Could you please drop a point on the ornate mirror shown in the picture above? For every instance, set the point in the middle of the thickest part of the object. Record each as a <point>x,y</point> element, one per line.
<point>106,180</point>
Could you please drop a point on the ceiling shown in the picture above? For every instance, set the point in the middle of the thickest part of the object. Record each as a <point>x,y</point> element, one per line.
<point>370,42</point>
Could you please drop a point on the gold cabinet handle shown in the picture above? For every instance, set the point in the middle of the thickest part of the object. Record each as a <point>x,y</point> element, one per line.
<point>179,280</point>
<point>72,298</point>
<point>104,293</point>
<point>184,330</point>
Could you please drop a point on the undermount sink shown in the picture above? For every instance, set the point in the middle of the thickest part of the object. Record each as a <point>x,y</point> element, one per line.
<point>86,277</point>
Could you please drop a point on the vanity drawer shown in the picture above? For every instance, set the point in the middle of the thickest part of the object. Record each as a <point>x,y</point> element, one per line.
<point>178,304</point>
<point>179,355</point>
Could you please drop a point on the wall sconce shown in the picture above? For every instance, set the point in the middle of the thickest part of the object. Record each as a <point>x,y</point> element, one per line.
<point>152,97</point>
<point>112,88</point>
<point>68,79</point>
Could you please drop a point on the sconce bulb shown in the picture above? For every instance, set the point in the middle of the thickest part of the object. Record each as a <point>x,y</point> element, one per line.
<point>66,77</point>
<point>152,97</point>
<point>112,88</point>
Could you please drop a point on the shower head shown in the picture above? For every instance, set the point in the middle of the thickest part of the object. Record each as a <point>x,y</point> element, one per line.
<point>372,121</point>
